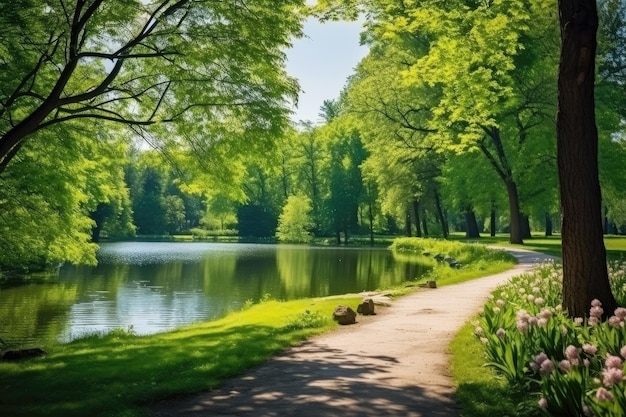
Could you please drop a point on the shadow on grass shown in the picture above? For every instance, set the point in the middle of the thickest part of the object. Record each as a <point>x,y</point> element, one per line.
<point>117,374</point>
<point>314,380</point>
<point>492,400</point>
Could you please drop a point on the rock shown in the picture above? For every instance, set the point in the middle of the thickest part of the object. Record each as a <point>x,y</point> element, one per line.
<point>439,257</point>
<point>344,315</point>
<point>366,307</point>
<point>432,284</point>
<point>18,355</point>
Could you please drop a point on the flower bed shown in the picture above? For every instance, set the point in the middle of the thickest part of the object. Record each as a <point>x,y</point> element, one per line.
<point>574,366</point>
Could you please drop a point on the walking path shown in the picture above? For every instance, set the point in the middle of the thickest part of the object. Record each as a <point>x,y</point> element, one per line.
<point>391,364</point>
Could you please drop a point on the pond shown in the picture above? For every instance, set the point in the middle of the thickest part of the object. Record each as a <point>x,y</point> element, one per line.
<point>157,286</point>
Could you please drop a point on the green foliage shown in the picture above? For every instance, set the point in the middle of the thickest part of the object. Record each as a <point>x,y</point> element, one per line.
<point>48,193</point>
<point>294,224</point>
<point>308,320</point>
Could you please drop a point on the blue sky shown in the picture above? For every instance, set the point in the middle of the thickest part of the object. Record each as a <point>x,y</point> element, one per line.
<point>322,61</point>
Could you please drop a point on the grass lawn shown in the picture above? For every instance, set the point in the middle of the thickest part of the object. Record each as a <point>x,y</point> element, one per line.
<point>116,374</point>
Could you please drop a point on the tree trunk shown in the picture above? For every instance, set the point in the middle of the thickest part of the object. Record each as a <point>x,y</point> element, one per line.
<point>408,227</point>
<point>548,225</point>
<point>514,214</point>
<point>585,275</point>
<point>416,216</point>
<point>500,163</point>
<point>525,226</point>
<point>441,215</point>
<point>492,222</point>
<point>424,222</point>
<point>471,227</point>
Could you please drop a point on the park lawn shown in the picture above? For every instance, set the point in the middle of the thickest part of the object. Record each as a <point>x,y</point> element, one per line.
<point>118,374</point>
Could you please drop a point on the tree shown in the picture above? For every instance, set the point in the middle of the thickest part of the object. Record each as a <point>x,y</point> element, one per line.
<point>294,223</point>
<point>149,206</point>
<point>198,63</point>
<point>585,275</point>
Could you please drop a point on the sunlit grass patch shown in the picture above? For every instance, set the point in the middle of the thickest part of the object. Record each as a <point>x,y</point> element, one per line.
<point>475,260</point>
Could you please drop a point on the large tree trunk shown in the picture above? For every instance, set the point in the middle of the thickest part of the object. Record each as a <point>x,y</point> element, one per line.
<point>424,221</point>
<point>585,274</point>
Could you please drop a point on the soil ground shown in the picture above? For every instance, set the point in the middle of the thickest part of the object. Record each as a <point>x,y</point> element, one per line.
<point>392,364</point>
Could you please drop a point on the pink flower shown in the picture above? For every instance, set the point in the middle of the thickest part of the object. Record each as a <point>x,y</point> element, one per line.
<point>571,352</point>
<point>596,303</point>
<point>620,312</point>
<point>546,367</point>
<point>613,362</point>
<point>500,303</point>
<point>615,322</point>
<point>593,321</point>
<point>579,321</point>
<point>565,366</point>
<point>533,321</point>
<point>542,322</point>
<point>596,312</point>
<point>545,314</point>
<point>604,395</point>
<point>623,352</point>
<point>501,333</point>
<point>522,326</point>
<point>589,349</point>
<point>478,330</point>
<point>539,301</point>
<point>611,376</point>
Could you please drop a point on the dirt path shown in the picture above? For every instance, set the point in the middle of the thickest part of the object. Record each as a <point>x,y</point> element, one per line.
<point>391,364</point>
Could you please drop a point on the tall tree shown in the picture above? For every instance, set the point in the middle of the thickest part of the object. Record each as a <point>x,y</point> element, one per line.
<point>585,274</point>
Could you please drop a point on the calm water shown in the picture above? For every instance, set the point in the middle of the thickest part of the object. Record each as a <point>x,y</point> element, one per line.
<point>157,286</point>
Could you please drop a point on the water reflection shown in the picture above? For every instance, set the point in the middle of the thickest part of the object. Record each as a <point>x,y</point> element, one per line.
<point>159,286</point>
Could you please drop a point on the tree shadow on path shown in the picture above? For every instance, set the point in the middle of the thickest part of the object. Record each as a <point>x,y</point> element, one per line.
<point>313,380</point>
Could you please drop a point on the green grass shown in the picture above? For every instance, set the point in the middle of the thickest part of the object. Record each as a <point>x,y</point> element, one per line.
<point>476,260</point>
<point>115,375</point>
<point>480,392</point>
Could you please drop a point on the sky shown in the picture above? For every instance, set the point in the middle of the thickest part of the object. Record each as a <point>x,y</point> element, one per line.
<point>322,61</point>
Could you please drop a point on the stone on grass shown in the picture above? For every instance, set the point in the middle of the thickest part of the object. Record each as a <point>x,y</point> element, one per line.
<point>366,307</point>
<point>344,315</point>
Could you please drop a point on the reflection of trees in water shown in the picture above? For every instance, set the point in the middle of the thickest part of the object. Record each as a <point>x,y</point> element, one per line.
<point>295,269</point>
<point>167,294</point>
<point>35,313</point>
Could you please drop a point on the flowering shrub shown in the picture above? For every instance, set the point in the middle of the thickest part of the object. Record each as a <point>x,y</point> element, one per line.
<point>576,366</point>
